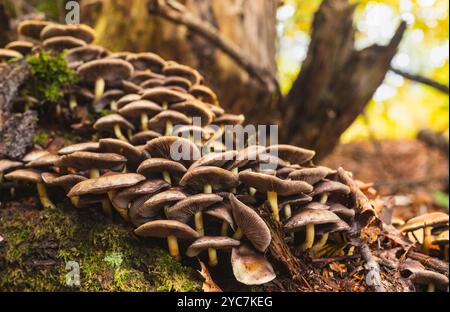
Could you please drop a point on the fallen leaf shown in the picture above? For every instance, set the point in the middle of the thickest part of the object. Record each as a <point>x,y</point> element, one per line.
<point>338,267</point>
<point>208,285</point>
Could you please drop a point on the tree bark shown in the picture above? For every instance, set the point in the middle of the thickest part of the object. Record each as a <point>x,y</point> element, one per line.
<point>336,81</point>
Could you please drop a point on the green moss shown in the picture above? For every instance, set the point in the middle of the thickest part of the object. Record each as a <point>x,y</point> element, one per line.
<point>49,77</point>
<point>38,244</point>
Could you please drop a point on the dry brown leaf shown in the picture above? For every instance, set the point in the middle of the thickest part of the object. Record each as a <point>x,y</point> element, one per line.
<point>208,285</point>
<point>370,234</point>
<point>338,267</point>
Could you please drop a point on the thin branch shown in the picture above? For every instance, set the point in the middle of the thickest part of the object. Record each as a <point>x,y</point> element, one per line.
<point>373,278</point>
<point>177,13</point>
<point>424,80</point>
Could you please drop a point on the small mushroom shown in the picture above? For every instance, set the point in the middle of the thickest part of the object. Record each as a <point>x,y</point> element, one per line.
<point>250,224</point>
<point>173,148</point>
<point>32,176</point>
<point>222,211</point>
<point>327,187</point>
<point>35,154</point>
<point>180,82</point>
<point>147,61</point>
<point>79,31</point>
<point>64,181</point>
<point>86,53</point>
<point>192,206</point>
<point>426,222</point>
<point>194,133</point>
<point>131,153</point>
<point>8,165</point>
<point>108,99</point>
<point>80,147</point>
<point>59,44</point>
<point>309,175</point>
<point>292,154</point>
<point>287,202</point>
<point>144,136</point>
<point>6,55</point>
<point>152,83</point>
<point>210,179</point>
<point>223,160</point>
<point>195,109</point>
<point>164,96</point>
<point>251,267</point>
<point>142,109</point>
<point>204,94</point>
<point>127,99</point>
<point>442,241</point>
<point>103,71</point>
<point>174,69</point>
<point>32,28</point>
<point>308,219</point>
<point>417,273</point>
<point>165,121</point>
<point>273,186</point>
<point>23,47</point>
<point>211,243</point>
<point>168,168</point>
<point>114,123</point>
<point>170,229</point>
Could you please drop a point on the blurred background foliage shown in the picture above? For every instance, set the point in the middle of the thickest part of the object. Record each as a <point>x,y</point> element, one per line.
<point>400,108</point>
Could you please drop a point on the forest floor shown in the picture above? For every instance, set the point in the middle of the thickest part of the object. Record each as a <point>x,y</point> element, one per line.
<point>35,245</point>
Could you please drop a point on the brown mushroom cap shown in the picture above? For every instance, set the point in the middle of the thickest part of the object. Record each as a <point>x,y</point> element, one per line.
<point>218,178</point>
<point>223,160</point>
<point>309,175</point>
<point>268,183</point>
<point>148,187</point>
<point>111,70</point>
<point>23,47</point>
<point>251,267</point>
<point>7,165</point>
<point>158,165</point>
<point>316,206</point>
<point>127,99</point>
<point>180,82</point>
<point>165,228</point>
<point>251,224</point>
<point>89,160</point>
<point>86,53</point>
<point>204,93</point>
<point>131,153</point>
<point>195,108</point>
<point>139,76</point>
<point>310,216</point>
<point>167,146</point>
<point>339,226</point>
<point>33,155</point>
<point>108,122</point>
<point>81,147</point>
<point>59,44</point>
<point>329,186</point>
<point>191,130</point>
<point>342,211</point>
<point>152,83</point>
<point>164,95</point>
<point>222,211</point>
<point>179,70</point>
<point>144,136</point>
<point>229,119</point>
<point>186,208</point>
<point>79,31</point>
<point>158,122</point>
<point>294,200</point>
<point>24,175</point>
<point>49,160</point>
<point>206,242</point>
<point>292,154</point>
<point>32,28</point>
<point>416,272</point>
<point>131,87</point>
<point>105,184</point>
<point>147,61</point>
<point>107,98</point>
<point>429,219</point>
<point>135,109</point>
<point>65,181</point>
<point>153,206</point>
<point>7,54</point>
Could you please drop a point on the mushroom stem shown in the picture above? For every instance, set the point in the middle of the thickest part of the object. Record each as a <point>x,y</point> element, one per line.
<point>172,243</point>
<point>207,189</point>
<point>309,239</point>
<point>324,198</point>
<point>75,200</point>
<point>43,196</point>
<point>166,177</point>
<point>199,223</point>
<point>99,87</point>
<point>431,287</point>
<point>58,110</point>
<point>238,234</point>
<point>212,254</point>
<point>224,229</point>
<point>113,106</point>
<point>12,192</point>
<point>1,177</point>
<point>322,242</point>
<point>252,191</point>
<point>273,200</point>
<point>144,121</point>
<point>106,207</point>
<point>169,128</point>
<point>165,105</point>
<point>427,237</point>
<point>287,211</point>
<point>446,253</point>
<point>118,133</point>
<point>94,173</point>
<point>73,103</point>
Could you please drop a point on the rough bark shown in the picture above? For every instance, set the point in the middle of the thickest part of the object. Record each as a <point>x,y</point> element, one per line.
<point>250,25</point>
<point>16,130</point>
<point>336,81</point>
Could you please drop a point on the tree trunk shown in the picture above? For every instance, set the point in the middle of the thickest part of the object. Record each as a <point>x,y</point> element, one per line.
<point>126,25</point>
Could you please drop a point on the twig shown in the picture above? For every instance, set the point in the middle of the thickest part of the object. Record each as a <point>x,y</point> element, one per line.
<point>424,80</point>
<point>373,277</point>
<point>177,13</point>
<point>325,261</point>
<point>430,262</point>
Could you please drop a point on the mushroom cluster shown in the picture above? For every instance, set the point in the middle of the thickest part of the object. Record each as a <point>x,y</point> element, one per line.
<point>159,161</point>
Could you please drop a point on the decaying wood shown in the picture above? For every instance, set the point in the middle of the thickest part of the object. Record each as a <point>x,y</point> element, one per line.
<point>431,263</point>
<point>373,277</point>
<point>336,81</point>
<point>16,130</point>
